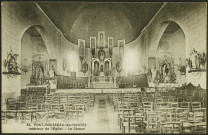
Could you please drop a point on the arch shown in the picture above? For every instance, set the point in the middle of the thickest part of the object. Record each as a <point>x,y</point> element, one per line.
<point>42,32</point>
<point>97,21</point>
<point>34,53</point>
<point>164,25</point>
<point>169,49</point>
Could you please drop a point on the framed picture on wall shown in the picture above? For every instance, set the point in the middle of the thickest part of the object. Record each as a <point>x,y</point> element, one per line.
<point>110,45</point>
<point>121,44</point>
<point>93,42</point>
<point>110,42</point>
<point>101,39</point>
<point>93,45</point>
<point>81,45</point>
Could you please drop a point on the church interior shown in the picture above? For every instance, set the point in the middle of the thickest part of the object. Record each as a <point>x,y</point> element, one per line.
<point>104,67</point>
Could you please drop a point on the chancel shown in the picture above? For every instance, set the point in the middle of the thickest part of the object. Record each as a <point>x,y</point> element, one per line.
<point>107,67</point>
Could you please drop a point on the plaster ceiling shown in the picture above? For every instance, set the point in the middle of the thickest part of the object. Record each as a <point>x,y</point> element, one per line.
<point>32,31</point>
<point>119,20</point>
<point>172,27</point>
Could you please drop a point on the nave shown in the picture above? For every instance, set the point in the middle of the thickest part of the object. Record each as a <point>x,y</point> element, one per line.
<point>147,110</point>
<point>104,67</point>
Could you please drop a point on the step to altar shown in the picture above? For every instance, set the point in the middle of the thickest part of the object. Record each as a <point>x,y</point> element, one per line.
<point>103,85</point>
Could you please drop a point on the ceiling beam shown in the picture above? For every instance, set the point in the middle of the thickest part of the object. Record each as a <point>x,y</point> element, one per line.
<point>154,16</point>
<point>38,6</point>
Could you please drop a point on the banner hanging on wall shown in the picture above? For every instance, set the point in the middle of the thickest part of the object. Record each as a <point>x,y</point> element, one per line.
<point>101,39</point>
<point>93,45</point>
<point>81,45</point>
<point>110,46</point>
<point>121,44</point>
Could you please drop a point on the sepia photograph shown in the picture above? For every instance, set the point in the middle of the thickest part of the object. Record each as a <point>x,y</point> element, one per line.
<point>104,67</point>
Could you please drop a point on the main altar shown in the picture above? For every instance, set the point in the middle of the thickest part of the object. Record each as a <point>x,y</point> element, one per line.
<point>102,73</point>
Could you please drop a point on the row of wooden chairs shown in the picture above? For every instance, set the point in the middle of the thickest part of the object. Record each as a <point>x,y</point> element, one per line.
<point>71,105</point>
<point>60,98</point>
<point>164,115</point>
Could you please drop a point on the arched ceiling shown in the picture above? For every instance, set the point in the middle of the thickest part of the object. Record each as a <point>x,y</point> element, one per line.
<point>32,31</point>
<point>172,27</point>
<point>81,20</point>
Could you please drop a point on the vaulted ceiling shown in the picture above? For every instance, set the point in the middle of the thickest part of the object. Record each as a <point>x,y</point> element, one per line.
<point>82,20</point>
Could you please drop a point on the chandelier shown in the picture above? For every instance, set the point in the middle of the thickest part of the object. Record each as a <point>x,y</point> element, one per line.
<point>25,68</point>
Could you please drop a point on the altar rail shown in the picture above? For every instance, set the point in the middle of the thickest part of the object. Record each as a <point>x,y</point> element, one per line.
<point>112,90</point>
<point>102,79</point>
<point>132,81</point>
<point>68,82</point>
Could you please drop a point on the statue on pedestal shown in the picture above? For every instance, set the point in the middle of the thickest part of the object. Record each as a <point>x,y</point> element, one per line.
<point>194,58</point>
<point>197,60</point>
<point>51,73</point>
<point>203,59</point>
<point>153,73</point>
<point>40,76</point>
<point>11,65</point>
<point>101,68</point>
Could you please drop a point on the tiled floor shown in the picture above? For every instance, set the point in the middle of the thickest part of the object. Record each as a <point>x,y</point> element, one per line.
<point>101,118</point>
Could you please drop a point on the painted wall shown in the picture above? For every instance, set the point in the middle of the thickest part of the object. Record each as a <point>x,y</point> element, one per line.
<point>32,49</point>
<point>15,21</point>
<point>69,52</point>
<point>27,53</point>
<point>135,56</point>
<point>192,18</point>
<point>173,46</point>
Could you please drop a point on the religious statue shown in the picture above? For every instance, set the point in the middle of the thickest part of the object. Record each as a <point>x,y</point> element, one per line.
<point>106,68</point>
<point>11,64</point>
<point>93,52</point>
<point>193,58</point>
<point>172,78</point>
<point>33,79</point>
<point>157,78</point>
<point>196,60</point>
<point>110,47</point>
<point>81,50</point>
<point>203,59</point>
<point>40,73</point>
<point>166,77</point>
<point>93,43</point>
<point>118,67</point>
<point>188,63</point>
<point>101,55</point>
<point>121,49</point>
<point>52,84</point>
<point>101,39</point>
<point>101,68</point>
<point>149,75</point>
<point>93,47</point>
<point>51,73</point>
<point>107,65</point>
<point>153,73</point>
<point>166,70</point>
<point>84,67</point>
<point>96,68</point>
